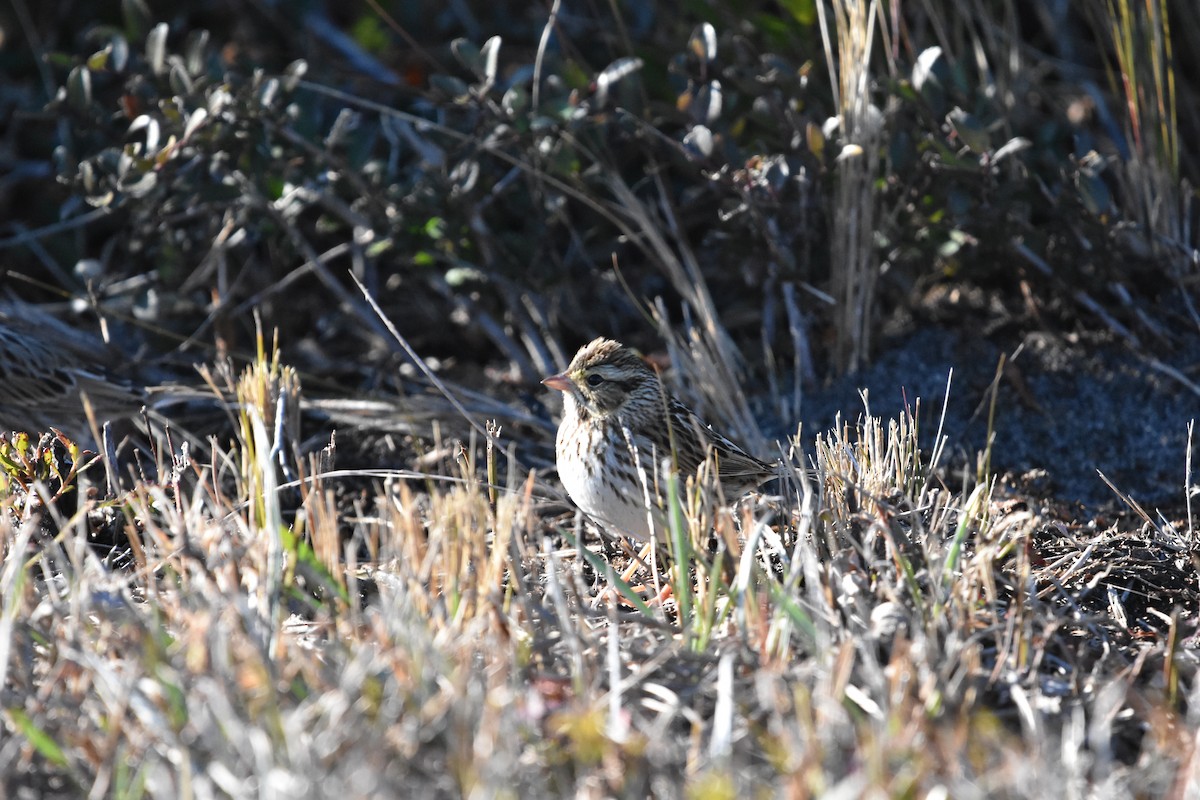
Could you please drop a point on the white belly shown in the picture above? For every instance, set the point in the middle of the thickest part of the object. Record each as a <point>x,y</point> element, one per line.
<point>632,510</point>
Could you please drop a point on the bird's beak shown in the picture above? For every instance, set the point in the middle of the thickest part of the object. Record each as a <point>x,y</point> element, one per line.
<point>559,381</point>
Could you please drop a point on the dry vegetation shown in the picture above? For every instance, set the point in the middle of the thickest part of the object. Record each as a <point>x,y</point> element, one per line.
<point>251,605</point>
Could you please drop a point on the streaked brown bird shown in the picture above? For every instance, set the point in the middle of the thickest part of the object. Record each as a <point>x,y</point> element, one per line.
<point>619,423</point>
<point>46,367</point>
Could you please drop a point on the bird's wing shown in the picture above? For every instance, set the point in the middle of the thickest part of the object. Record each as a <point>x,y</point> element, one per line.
<point>694,441</point>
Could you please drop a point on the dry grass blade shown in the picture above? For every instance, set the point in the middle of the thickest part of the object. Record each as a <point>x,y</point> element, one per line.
<point>705,354</point>
<point>855,207</point>
<point>1149,175</point>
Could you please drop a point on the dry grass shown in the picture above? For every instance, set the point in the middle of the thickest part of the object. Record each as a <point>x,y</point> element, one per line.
<point>1155,197</point>
<point>854,253</point>
<point>866,630</point>
<point>258,622</point>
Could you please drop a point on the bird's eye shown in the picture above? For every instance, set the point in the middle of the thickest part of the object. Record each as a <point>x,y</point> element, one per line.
<point>594,380</point>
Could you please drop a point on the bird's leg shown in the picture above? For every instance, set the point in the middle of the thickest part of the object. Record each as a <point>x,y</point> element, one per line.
<point>639,561</point>
<point>661,590</point>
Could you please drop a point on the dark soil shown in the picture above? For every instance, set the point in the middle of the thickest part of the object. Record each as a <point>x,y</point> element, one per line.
<point>1071,407</point>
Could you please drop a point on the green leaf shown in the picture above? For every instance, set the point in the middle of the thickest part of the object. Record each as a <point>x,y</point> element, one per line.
<point>60,60</point>
<point>41,741</point>
<point>803,11</point>
<point>369,33</point>
<point>680,549</point>
<point>603,567</point>
<point>293,74</point>
<point>468,55</point>
<point>515,101</point>
<point>195,51</point>
<point>1093,191</point>
<point>179,80</point>
<point>703,42</point>
<point>457,276</point>
<point>952,245</point>
<point>79,88</point>
<point>798,616</point>
<point>970,131</point>
<point>98,60</point>
<point>491,60</point>
<point>302,551</point>
<point>613,74</point>
<point>449,85</point>
<point>156,48</point>
<point>929,69</point>
<point>1011,147</point>
<point>137,18</point>
<point>379,247</point>
<point>435,228</point>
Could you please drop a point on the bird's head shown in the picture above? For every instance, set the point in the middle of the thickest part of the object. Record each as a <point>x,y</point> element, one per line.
<point>605,378</point>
